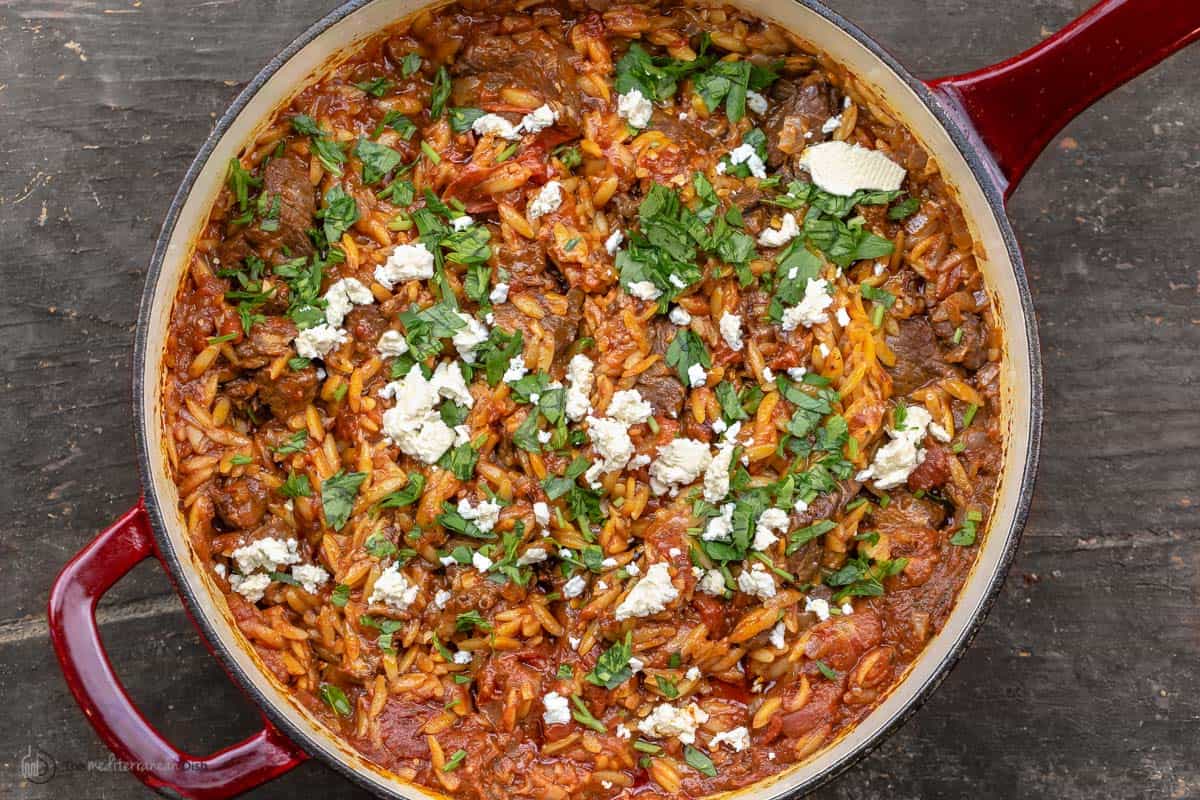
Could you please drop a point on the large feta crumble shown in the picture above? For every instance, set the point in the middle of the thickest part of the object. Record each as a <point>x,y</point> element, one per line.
<point>548,199</point>
<point>485,515</point>
<point>635,108</point>
<point>412,423</point>
<point>896,460</point>
<point>393,589</point>
<point>650,595</point>
<point>579,380</point>
<point>310,577</point>
<point>757,581</point>
<point>667,720</point>
<point>628,407</point>
<point>557,709</point>
<point>407,262</point>
<point>496,125</point>
<point>679,463</point>
<point>843,169</point>
<point>778,237</point>
<point>344,295</point>
<point>811,308</point>
<point>267,554</point>
<point>317,341</point>
<point>730,326</point>
<point>738,739</point>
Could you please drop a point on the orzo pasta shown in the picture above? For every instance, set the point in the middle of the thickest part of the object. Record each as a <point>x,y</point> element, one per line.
<point>585,400</point>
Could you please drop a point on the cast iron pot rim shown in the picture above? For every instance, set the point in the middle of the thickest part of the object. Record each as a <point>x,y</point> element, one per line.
<point>983,170</point>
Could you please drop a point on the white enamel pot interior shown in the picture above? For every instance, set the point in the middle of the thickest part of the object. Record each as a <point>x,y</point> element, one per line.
<point>980,198</point>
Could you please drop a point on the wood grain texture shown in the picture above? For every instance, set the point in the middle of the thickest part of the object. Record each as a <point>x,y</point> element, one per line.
<point>1082,684</point>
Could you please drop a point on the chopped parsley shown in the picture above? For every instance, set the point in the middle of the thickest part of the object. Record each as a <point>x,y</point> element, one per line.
<point>612,668</point>
<point>337,497</point>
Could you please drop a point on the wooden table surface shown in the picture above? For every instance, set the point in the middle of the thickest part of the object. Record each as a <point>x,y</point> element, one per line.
<point>1085,681</point>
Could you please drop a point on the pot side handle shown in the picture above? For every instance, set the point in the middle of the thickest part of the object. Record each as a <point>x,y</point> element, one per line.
<point>1015,108</point>
<point>134,742</point>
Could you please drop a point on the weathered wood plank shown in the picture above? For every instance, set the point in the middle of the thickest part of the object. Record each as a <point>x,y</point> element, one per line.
<point>1081,685</point>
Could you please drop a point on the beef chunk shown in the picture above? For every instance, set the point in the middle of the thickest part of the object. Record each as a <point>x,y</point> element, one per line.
<point>561,328</point>
<point>366,324</point>
<point>971,349</point>
<point>288,394</point>
<point>287,178</point>
<point>797,108</point>
<point>267,341</point>
<point>240,502</point>
<point>658,385</point>
<point>918,358</point>
<point>933,471</point>
<point>532,60</point>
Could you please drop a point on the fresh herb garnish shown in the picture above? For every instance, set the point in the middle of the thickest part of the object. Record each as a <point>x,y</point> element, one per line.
<point>337,497</point>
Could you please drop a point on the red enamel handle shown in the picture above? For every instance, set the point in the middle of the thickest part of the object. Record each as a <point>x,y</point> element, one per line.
<point>76,637</point>
<point>1017,106</point>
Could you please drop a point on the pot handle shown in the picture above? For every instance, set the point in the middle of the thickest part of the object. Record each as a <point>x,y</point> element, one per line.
<point>76,638</point>
<point>1015,108</point>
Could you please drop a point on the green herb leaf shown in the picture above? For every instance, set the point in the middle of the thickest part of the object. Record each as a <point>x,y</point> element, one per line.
<point>339,213</point>
<point>461,119</point>
<point>686,349</point>
<point>296,486</point>
<point>612,668</point>
<point>406,496</point>
<point>376,87</point>
<point>337,497</point>
<point>377,160</point>
<point>336,699</point>
<point>455,760</point>
<point>699,761</point>
<point>440,93</point>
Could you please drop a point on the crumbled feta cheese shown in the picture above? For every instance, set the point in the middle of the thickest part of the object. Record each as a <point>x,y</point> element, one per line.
<point>448,561</point>
<point>628,407</point>
<point>633,569</point>
<point>534,555</point>
<point>461,657</point>
<point>610,439</point>
<point>317,341</point>
<point>644,290</point>
<point>737,738</point>
<point>548,199</point>
<point>650,595</point>
<point>485,515</point>
<point>544,437</point>
<point>393,589</point>
<point>541,513</point>
<point>832,124</point>
<point>219,569</point>
<point>680,316</point>
<point>623,732</point>
<point>539,119</point>
<point>757,581</point>
<point>392,344</point>
<point>767,375</point>
<point>448,382</point>
<point>697,375</point>
<point>679,463</point>
<point>896,460</point>
<point>470,337</point>
<point>796,373</point>
<point>730,326</point>
<point>267,554</point>
<point>499,293</point>
<point>462,435</point>
<point>847,609</point>
<point>557,709</point>
<point>580,378</point>
<point>811,309</point>
<point>639,461</point>
<point>516,369</point>
<point>746,154</point>
<point>342,296</point>
<point>818,606</point>
<point>778,237</point>
<point>608,563</point>
<point>310,577</point>
<point>480,562</point>
<point>718,426</point>
<point>800,506</point>
<point>677,281</point>
<point>407,262</point>
<point>693,674</point>
<point>772,523</point>
<point>495,125</point>
<point>412,423</point>
<point>716,475</point>
<point>842,318</point>
<point>667,720</point>
<point>939,433</point>
<point>574,587</point>
<point>756,102</point>
<point>613,242</point>
<point>440,598</point>
<point>778,636</point>
<point>842,169</point>
<point>635,108</point>
<point>251,588</point>
<point>824,350</point>
<point>462,222</point>
<point>636,664</point>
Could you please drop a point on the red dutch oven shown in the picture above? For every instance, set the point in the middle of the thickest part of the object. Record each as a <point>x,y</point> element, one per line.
<point>984,129</point>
